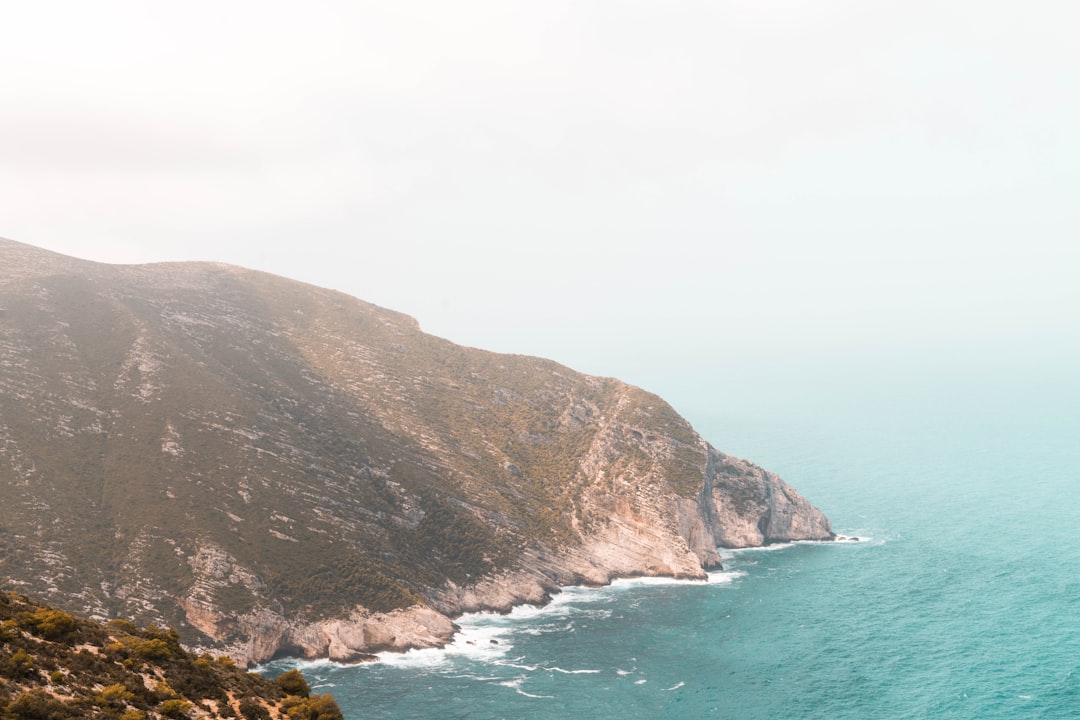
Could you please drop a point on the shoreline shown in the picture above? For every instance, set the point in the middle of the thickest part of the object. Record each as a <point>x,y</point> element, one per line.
<point>392,655</point>
<point>459,634</point>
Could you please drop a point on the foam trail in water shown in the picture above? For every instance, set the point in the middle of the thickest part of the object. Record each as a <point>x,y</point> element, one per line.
<point>853,538</point>
<point>516,684</point>
<point>516,663</point>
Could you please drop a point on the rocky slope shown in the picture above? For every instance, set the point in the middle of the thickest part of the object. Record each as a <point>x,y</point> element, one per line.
<point>273,467</point>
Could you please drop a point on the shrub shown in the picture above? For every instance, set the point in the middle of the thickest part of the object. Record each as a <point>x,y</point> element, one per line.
<point>324,707</point>
<point>38,705</point>
<point>116,650</point>
<point>9,630</point>
<point>153,649</point>
<point>251,709</point>
<point>55,625</point>
<point>125,626</point>
<point>175,708</point>
<point>19,665</point>
<point>293,683</point>
<point>317,707</point>
<point>86,662</point>
<point>115,696</point>
<point>295,707</point>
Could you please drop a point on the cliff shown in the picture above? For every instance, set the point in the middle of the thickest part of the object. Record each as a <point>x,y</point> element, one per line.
<point>273,467</point>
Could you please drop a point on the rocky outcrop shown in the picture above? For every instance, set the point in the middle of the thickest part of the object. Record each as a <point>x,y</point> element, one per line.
<point>274,468</point>
<point>354,637</point>
<point>750,507</point>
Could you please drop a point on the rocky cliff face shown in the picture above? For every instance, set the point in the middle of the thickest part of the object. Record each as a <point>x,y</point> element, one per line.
<point>273,467</point>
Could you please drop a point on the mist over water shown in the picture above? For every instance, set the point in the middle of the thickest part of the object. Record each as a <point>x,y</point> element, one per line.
<point>961,600</point>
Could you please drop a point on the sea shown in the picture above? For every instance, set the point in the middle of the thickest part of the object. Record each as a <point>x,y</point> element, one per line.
<point>961,598</point>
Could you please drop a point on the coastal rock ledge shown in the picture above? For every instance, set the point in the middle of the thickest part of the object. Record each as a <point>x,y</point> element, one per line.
<point>273,468</point>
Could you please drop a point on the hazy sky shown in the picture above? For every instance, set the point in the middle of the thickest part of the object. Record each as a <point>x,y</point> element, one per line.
<point>672,192</point>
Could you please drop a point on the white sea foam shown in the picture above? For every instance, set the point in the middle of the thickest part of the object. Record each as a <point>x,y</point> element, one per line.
<point>572,672</point>
<point>562,603</point>
<point>579,594</point>
<point>675,687</point>
<point>852,537</point>
<point>477,641</point>
<point>649,580</point>
<point>516,684</point>
<point>724,577</point>
<point>516,663</point>
<point>426,658</point>
<point>736,552</point>
<point>305,666</point>
<point>471,676</point>
<point>550,628</point>
<point>540,697</point>
<point>858,537</point>
<point>640,682</point>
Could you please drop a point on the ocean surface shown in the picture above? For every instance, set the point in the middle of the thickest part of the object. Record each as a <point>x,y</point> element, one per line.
<point>962,600</point>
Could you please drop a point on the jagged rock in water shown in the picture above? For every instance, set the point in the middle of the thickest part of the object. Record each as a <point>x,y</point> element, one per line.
<point>273,467</point>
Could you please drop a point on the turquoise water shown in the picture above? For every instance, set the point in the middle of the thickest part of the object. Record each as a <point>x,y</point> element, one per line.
<point>962,601</point>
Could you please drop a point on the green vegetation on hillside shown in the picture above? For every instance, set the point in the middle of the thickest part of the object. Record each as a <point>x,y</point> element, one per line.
<point>55,666</point>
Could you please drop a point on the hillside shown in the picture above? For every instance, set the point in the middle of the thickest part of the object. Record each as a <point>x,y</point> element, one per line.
<point>55,666</point>
<point>273,467</point>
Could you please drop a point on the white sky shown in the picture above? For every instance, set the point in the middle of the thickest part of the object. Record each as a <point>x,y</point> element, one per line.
<point>675,193</point>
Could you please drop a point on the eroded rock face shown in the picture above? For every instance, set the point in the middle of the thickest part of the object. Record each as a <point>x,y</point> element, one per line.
<point>751,507</point>
<point>274,468</point>
<point>348,639</point>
